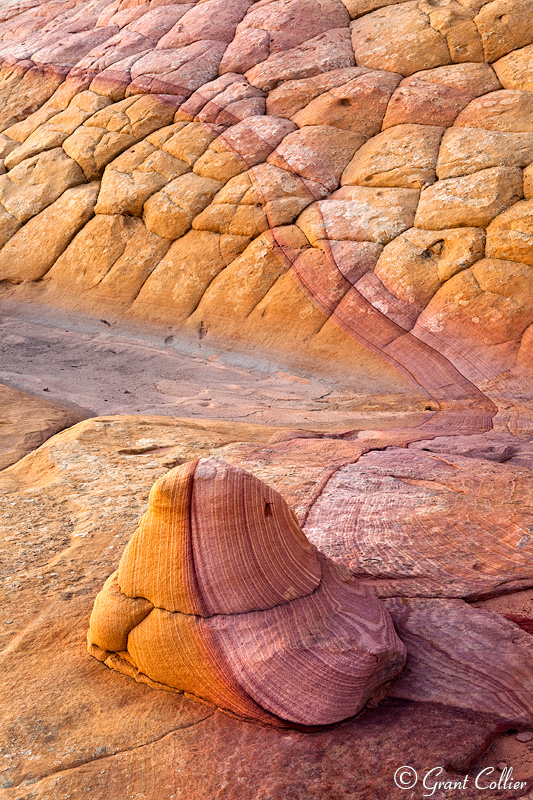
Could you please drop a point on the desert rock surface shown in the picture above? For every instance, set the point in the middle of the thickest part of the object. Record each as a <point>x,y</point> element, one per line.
<point>27,421</point>
<point>60,548</point>
<point>360,169</point>
<point>295,235</point>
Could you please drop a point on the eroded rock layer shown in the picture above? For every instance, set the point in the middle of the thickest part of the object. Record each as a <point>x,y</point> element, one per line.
<point>219,595</point>
<point>27,421</point>
<point>362,169</point>
<point>469,670</point>
<point>345,180</point>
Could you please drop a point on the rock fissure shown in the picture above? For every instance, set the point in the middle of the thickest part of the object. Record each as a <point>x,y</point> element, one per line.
<point>102,757</point>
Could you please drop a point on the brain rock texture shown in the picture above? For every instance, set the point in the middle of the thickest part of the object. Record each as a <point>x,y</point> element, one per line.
<point>361,170</point>
<point>219,594</point>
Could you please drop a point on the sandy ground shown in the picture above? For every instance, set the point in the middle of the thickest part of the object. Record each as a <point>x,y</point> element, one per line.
<point>104,370</point>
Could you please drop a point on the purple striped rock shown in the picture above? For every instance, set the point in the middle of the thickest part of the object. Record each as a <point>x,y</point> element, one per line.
<point>220,595</point>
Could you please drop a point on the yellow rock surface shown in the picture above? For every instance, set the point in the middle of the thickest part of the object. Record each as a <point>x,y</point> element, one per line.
<point>27,421</point>
<point>247,156</point>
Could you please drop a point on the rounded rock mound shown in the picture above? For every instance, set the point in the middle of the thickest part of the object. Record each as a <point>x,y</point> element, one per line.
<point>220,595</point>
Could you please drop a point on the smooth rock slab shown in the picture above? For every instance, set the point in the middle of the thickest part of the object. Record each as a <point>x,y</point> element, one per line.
<point>428,525</point>
<point>493,446</point>
<point>469,201</point>
<point>360,213</point>
<point>224,758</point>
<point>510,235</point>
<point>398,39</point>
<point>464,657</point>
<point>27,421</point>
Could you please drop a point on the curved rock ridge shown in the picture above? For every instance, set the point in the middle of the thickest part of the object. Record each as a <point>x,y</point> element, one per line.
<point>219,595</point>
<point>27,421</point>
<point>362,168</point>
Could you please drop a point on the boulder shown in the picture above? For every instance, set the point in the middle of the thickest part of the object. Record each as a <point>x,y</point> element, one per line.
<point>219,595</point>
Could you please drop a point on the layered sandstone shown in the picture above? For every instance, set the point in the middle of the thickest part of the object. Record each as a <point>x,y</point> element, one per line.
<point>468,675</point>
<point>342,185</point>
<point>219,595</point>
<point>218,170</point>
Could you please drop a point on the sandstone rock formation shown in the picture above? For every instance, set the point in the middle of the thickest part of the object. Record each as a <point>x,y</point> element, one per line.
<point>341,185</point>
<point>468,674</point>
<point>359,167</point>
<point>27,421</point>
<point>219,595</point>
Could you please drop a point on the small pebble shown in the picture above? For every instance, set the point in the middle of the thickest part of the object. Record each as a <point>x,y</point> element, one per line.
<point>525,736</point>
<point>501,766</point>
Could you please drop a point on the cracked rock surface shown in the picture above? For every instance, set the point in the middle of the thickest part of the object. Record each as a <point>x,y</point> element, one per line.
<point>342,188</point>
<point>358,167</point>
<point>91,728</point>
